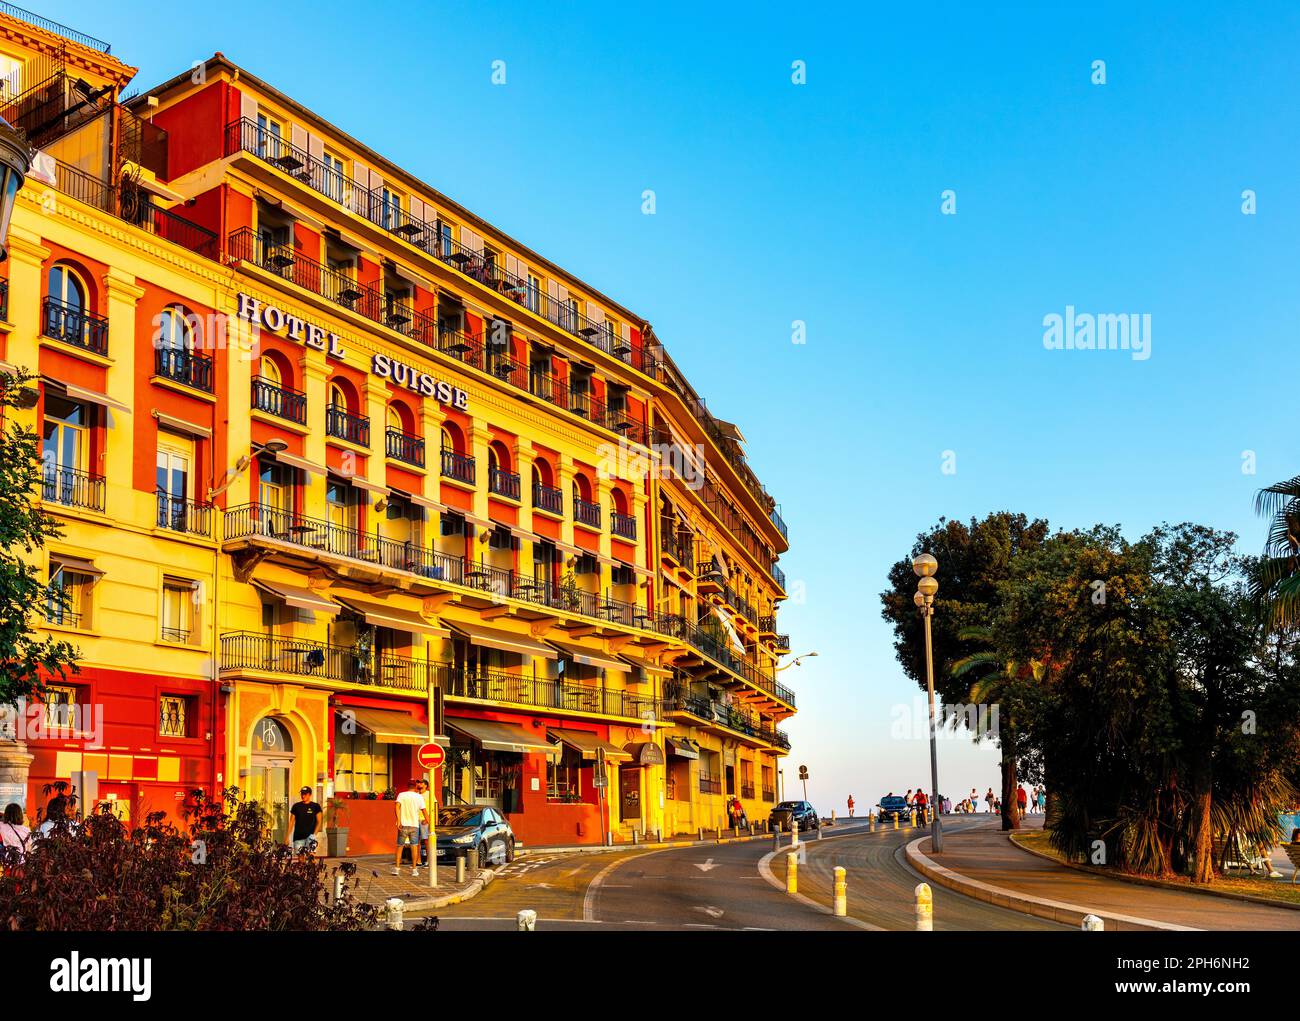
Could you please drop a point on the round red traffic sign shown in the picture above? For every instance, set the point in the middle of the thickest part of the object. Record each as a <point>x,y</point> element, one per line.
<point>430,756</point>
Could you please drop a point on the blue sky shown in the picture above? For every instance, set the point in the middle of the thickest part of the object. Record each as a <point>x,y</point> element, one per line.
<point>821,203</point>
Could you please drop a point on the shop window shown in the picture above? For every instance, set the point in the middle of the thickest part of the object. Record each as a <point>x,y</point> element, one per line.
<point>487,776</point>
<point>564,777</point>
<point>174,716</point>
<point>361,764</point>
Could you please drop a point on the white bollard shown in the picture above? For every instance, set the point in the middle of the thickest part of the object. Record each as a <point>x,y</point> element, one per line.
<point>393,913</point>
<point>1091,923</point>
<point>924,908</point>
<point>526,920</point>
<point>841,892</point>
<point>338,887</point>
<point>794,833</point>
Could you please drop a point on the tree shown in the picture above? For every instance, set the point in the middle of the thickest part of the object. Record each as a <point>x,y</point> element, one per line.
<point>1276,585</point>
<point>26,660</point>
<point>973,560</point>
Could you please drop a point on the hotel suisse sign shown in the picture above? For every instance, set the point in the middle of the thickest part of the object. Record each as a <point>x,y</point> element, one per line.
<point>276,320</point>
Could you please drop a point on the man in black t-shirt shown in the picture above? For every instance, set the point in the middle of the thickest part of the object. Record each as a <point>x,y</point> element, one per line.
<point>304,817</point>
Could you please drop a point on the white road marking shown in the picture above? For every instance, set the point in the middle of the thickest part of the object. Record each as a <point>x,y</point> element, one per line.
<point>705,866</point>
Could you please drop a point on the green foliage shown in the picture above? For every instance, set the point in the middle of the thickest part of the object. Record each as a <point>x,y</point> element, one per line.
<point>25,658</point>
<point>1276,582</point>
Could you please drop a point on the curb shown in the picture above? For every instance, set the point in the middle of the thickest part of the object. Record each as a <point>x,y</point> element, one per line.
<point>1040,907</point>
<point>1160,883</point>
<point>524,852</point>
<point>480,883</point>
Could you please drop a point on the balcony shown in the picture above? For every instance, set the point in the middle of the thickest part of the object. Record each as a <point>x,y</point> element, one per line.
<point>285,261</point>
<point>699,706</point>
<point>710,784</point>
<point>185,367</point>
<point>402,446</point>
<point>499,686</point>
<point>677,546</point>
<point>581,403</point>
<point>746,790</point>
<point>246,650</point>
<point>586,513</point>
<point>622,525</point>
<point>177,514</point>
<point>4,300</point>
<point>459,467</point>
<point>489,358</point>
<point>716,649</point>
<point>72,488</point>
<point>244,135</point>
<point>548,498</point>
<point>55,27</point>
<point>344,425</point>
<point>769,794</point>
<point>290,405</point>
<point>75,326</point>
<point>767,624</point>
<point>782,643</point>
<point>503,483</point>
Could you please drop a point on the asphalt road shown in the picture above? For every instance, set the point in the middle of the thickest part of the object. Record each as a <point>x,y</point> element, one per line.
<point>723,886</point>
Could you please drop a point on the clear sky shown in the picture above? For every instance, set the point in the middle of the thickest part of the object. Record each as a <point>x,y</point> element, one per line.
<point>821,202</point>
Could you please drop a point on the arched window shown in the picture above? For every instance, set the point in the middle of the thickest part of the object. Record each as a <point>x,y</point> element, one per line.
<point>270,735</point>
<point>450,439</point>
<point>175,329</point>
<point>269,370</point>
<point>338,397</point>
<point>395,421</point>
<point>67,287</point>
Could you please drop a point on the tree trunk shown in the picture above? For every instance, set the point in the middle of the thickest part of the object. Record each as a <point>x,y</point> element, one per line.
<point>1010,814</point>
<point>1203,848</point>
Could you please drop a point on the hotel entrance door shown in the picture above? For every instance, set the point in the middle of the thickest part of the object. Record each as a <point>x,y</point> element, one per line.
<point>269,777</point>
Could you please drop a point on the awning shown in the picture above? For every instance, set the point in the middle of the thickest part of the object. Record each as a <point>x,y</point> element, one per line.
<point>730,629</point>
<point>367,485</point>
<point>645,753</point>
<point>506,641</point>
<point>392,727</point>
<point>596,659</point>
<point>300,598</point>
<point>587,745</point>
<point>179,425</point>
<point>80,393</point>
<point>79,564</point>
<point>294,461</point>
<point>503,737</point>
<point>410,276</point>
<point>394,617</point>
<point>644,664</point>
<point>683,747</point>
<point>418,500</point>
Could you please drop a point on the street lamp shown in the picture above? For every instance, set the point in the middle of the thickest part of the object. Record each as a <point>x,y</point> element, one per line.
<point>797,661</point>
<point>925,567</point>
<point>15,161</point>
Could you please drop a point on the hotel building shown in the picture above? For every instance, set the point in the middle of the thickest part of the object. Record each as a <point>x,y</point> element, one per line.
<point>341,469</point>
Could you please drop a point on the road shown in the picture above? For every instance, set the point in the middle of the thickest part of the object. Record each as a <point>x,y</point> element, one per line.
<point>723,886</point>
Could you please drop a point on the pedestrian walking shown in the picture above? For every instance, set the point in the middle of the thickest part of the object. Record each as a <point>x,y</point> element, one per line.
<point>850,806</point>
<point>990,799</point>
<point>12,831</point>
<point>304,818</point>
<point>1022,801</point>
<point>422,786</point>
<point>410,812</point>
<point>908,798</point>
<point>974,799</point>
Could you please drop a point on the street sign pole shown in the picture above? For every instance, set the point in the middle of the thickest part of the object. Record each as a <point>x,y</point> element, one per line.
<point>431,756</point>
<point>433,796</point>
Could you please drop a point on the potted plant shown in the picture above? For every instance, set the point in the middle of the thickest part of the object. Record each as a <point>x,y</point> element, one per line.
<point>336,828</point>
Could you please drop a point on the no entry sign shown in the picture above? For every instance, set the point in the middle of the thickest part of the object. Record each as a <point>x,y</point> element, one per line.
<point>430,756</point>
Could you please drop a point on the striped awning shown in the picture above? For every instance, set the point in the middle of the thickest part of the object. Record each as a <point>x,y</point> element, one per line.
<point>506,641</point>
<point>382,615</point>
<point>494,736</point>
<point>588,745</point>
<point>297,597</point>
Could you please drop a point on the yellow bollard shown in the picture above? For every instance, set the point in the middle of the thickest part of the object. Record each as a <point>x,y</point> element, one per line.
<point>841,892</point>
<point>924,908</point>
<point>911,819</point>
<point>895,820</point>
<point>791,873</point>
<point>872,819</point>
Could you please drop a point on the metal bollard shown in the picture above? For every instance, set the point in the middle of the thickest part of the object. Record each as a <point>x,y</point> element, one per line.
<point>751,829</point>
<point>776,839</point>
<point>701,832</point>
<point>832,817</point>
<point>338,887</point>
<point>841,892</point>
<point>794,833</point>
<point>635,839</point>
<point>924,908</point>
<point>393,909</point>
<point>791,873</point>
<point>526,920</point>
<point>460,869</point>
<point>819,832</point>
<point>1091,923</point>
<point>472,855</point>
<point>717,834</point>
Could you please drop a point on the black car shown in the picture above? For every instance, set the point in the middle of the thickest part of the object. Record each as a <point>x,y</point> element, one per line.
<point>893,805</point>
<point>461,827</point>
<point>798,813</point>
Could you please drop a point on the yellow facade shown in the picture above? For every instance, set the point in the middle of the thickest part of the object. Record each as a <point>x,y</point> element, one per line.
<point>330,576</point>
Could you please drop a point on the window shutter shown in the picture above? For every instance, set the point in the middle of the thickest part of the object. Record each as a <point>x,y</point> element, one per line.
<point>298,136</point>
<point>248,106</point>
<point>594,314</point>
<point>315,147</point>
<point>559,292</point>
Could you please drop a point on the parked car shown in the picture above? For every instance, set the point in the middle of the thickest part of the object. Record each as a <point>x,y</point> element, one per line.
<point>461,827</point>
<point>797,813</point>
<point>893,805</point>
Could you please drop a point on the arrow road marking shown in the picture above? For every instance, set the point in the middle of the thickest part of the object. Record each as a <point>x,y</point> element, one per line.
<point>705,866</point>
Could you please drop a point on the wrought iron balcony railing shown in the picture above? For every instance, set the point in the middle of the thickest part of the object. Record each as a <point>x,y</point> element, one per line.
<point>76,326</point>
<point>716,648</point>
<point>500,686</point>
<point>458,466</point>
<point>724,715</point>
<point>279,401</point>
<point>548,498</point>
<point>246,650</point>
<point>182,366</point>
<point>177,514</point>
<point>622,525</point>
<point>72,487</point>
<point>344,425</point>
<point>402,446</point>
<point>585,512</point>
<point>678,545</point>
<point>503,483</point>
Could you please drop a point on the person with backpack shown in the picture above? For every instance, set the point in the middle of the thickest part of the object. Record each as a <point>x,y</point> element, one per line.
<point>13,832</point>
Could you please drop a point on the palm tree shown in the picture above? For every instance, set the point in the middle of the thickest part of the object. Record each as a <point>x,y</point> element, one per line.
<point>994,685</point>
<point>1276,583</point>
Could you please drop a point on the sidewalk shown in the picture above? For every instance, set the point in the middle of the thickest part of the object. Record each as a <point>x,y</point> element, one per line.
<point>987,865</point>
<point>376,883</point>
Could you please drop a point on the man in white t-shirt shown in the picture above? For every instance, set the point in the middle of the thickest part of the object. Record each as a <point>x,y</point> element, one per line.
<point>411,815</point>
